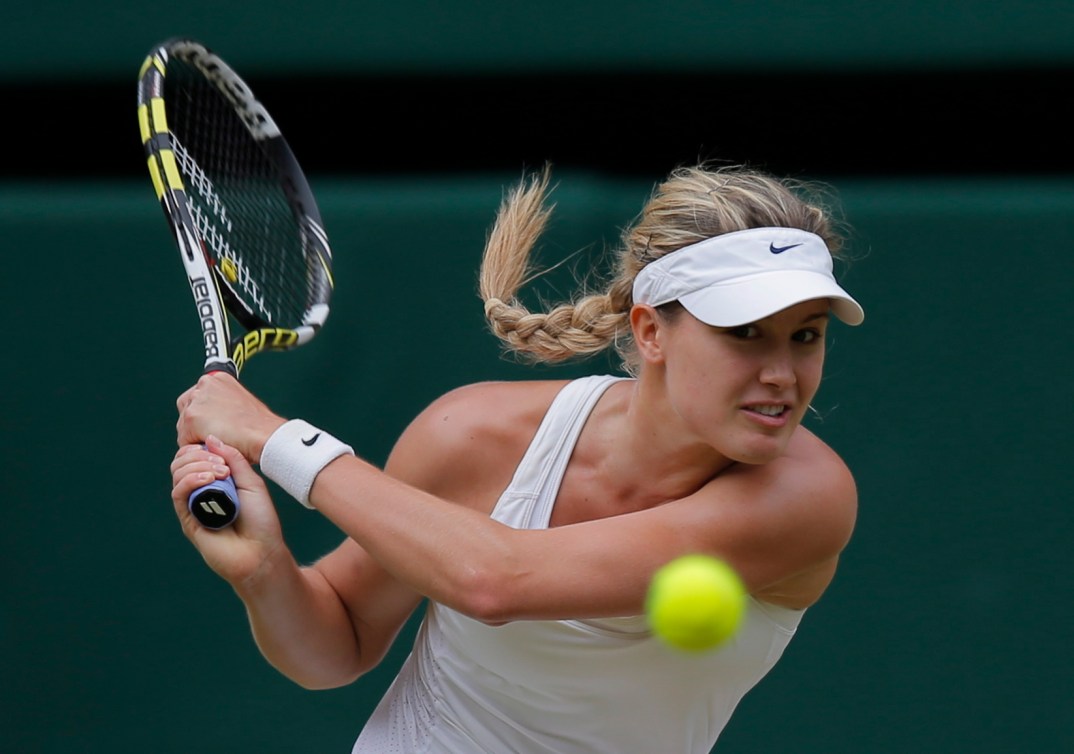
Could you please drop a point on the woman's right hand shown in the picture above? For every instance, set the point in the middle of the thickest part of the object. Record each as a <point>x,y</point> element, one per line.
<point>240,552</point>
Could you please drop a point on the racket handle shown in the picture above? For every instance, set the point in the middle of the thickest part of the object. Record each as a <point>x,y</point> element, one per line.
<point>216,505</point>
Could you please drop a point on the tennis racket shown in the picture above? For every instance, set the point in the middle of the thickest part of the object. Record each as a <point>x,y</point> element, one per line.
<point>243,216</point>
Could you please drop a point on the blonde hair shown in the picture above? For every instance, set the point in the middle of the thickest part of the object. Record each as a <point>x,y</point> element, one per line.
<point>690,205</point>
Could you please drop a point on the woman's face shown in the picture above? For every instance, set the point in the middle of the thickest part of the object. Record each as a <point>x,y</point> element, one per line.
<point>744,390</point>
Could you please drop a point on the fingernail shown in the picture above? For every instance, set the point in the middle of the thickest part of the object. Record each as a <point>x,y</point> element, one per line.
<point>221,469</point>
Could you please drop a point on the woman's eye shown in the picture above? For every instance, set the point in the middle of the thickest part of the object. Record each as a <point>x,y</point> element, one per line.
<point>743,332</point>
<point>807,336</point>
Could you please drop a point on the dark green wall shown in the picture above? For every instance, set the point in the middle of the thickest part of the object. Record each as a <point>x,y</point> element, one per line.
<point>87,40</point>
<point>944,630</point>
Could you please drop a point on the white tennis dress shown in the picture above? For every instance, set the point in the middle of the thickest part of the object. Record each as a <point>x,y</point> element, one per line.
<point>567,686</point>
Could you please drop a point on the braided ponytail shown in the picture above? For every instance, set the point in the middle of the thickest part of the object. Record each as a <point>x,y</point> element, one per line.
<point>579,328</point>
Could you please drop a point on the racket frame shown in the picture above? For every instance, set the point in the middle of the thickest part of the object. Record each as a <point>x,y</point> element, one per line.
<point>216,505</point>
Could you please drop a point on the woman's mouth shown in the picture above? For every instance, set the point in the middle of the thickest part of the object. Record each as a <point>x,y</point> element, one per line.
<point>769,414</point>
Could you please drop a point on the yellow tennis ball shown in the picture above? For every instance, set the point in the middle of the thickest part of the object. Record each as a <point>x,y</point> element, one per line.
<point>695,602</point>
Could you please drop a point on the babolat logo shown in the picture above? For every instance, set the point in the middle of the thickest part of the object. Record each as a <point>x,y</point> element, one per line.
<point>231,86</point>
<point>203,300</point>
<point>265,339</point>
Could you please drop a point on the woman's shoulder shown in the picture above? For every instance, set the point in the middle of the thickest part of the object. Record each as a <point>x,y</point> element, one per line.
<point>502,392</point>
<point>813,478</point>
<point>807,447</point>
<point>786,521</point>
<point>484,409</point>
<point>472,435</point>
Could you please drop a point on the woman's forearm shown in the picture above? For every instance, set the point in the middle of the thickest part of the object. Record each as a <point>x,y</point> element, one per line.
<point>300,624</point>
<point>443,551</point>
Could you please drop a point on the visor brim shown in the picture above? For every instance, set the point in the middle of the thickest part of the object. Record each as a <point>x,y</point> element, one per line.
<point>747,300</point>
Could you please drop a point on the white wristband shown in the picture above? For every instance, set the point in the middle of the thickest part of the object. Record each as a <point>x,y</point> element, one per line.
<point>295,454</point>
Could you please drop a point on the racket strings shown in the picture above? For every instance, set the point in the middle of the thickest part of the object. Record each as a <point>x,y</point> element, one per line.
<point>262,246</point>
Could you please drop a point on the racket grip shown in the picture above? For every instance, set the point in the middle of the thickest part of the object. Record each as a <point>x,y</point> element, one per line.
<point>216,505</point>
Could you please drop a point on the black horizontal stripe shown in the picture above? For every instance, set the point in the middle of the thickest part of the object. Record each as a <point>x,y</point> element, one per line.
<point>854,123</point>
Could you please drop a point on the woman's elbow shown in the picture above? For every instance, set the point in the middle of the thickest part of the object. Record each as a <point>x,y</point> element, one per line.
<point>489,595</point>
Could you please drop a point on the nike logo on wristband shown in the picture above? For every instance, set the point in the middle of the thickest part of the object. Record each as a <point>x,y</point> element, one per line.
<point>309,443</point>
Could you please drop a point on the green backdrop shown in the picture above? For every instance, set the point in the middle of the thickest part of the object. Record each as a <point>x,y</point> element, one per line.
<point>68,38</point>
<point>942,632</point>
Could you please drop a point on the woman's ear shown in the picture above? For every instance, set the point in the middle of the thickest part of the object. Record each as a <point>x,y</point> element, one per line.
<point>646,325</point>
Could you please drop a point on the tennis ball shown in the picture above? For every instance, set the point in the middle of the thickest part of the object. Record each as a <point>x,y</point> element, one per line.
<point>695,602</point>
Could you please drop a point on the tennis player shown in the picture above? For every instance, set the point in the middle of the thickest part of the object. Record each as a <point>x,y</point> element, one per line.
<point>533,514</point>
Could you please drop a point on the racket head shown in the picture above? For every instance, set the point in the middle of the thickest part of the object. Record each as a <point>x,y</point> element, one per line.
<point>239,206</point>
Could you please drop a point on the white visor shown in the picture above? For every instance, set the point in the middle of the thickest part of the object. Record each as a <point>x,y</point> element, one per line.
<point>741,277</point>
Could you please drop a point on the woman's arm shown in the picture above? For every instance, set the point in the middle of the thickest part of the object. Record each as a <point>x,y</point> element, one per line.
<point>782,525</point>
<point>321,626</point>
